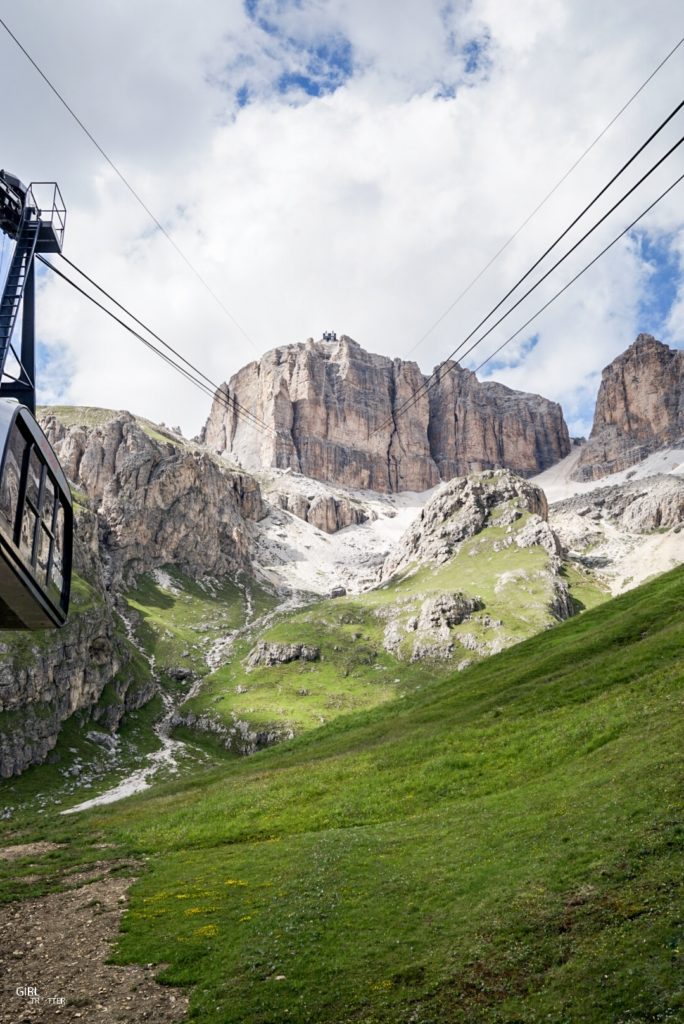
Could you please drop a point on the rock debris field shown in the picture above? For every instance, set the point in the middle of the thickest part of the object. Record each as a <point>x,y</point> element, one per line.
<point>54,954</point>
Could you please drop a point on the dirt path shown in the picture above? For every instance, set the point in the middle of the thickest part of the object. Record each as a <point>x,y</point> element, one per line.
<point>53,961</point>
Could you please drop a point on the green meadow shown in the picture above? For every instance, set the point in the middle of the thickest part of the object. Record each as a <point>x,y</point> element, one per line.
<point>354,671</point>
<point>503,846</point>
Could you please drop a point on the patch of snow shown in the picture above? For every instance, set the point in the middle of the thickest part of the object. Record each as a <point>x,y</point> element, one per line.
<point>165,581</point>
<point>557,485</point>
<point>293,555</point>
<point>648,556</point>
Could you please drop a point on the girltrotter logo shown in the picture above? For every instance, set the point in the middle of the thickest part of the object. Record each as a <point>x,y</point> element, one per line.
<point>30,992</point>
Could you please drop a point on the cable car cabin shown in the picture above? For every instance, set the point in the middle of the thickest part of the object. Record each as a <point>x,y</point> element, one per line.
<point>12,196</point>
<point>36,525</point>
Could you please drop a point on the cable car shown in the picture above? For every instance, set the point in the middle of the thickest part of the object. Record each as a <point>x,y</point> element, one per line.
<point>12,194</point>
<point>36,525</point>
<point>36,513</point>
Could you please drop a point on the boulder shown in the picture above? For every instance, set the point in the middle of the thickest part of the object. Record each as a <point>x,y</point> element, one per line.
<point>268,654</point>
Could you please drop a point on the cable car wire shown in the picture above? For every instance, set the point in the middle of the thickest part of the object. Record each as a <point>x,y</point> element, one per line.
<point>580,273</point>
<point>435,375</point>
<point>419,390</point>
<point>543,202</point>
<point>223,397</point>
<point>427,383</point>
<point>217,393</point>
<point>123,324</point>
<point>130,187</point>
<point>215,387</point>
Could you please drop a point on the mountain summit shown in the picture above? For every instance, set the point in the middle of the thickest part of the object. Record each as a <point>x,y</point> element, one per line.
<point>336,413</point>
<point>639,409</point>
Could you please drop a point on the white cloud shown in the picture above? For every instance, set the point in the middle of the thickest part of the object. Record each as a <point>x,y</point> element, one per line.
<point>365,210</point>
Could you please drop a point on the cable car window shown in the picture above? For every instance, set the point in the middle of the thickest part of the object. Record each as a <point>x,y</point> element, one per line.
<point>34,474</point>
<point>28,532</point>
<point>36,526</point>
<point>46,531</point>
<point>44,542</point>
<point>46,512</point>
<point>59,533</point>
<point>56,580</point>
<point>11,478</point>
<point>56,584</point>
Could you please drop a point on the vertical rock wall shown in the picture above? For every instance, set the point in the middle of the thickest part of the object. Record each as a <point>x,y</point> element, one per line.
<point>335,412</point>
<point>639,408</point>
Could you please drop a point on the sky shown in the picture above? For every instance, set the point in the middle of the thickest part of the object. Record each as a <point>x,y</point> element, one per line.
<point>346,165</point>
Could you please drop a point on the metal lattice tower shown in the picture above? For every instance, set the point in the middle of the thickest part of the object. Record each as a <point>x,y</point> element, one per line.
<point>35,229</point>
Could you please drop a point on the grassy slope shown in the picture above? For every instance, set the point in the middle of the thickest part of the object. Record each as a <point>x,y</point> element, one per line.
<point>504,846</point>
<point>179,626</point>
<point>169,625</point>
<point>354,671</point>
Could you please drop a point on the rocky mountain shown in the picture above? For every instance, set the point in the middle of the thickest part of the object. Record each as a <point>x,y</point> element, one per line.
<point>478,570</point>
<point>159,499</point>
<point>333,412</point>
<point>624,533</point>
<point>175,543</point>
<point>47,677</point>
<point>639,409</point>
<point>144,498</point>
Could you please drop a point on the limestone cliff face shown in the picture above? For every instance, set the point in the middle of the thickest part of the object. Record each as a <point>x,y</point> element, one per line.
<point>333,412</point>
<point>145,499</point>
<point>330,410</point>
<point>158,499</point>
<point>639,408</point>
<point>46,677</point>
<point>327,513</point>
<point>476,426</point>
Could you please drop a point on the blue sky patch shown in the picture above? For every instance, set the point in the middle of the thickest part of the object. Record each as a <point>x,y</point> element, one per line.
<point>290,80</point>
<point>322,69</point>
<point>254,9</point>
<point>663,281</point>
<point>53,373</point>
<point>476,55</point>
<point>522,351</point>
<point>313,67</point>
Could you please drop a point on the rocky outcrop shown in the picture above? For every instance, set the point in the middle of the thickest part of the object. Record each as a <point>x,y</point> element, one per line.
<point>640,408</point>
<point>460,509</point>
<point>325,512</point>
<point>446,610</point>
<point>426,632</point>
<point>240,737</point>
<point>158,500</point>
<point>639,506</point>
<point>145,498</point>
<point>624,533</point>
<point>335,412</point>
<point>84,669</point>
<point>269,654</point>
<point>537,533</point>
